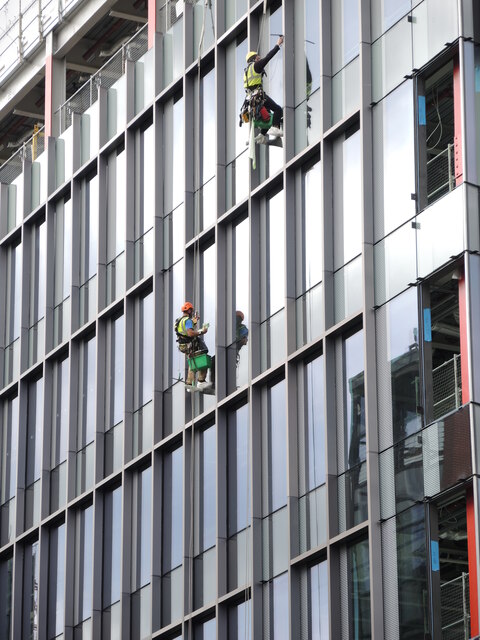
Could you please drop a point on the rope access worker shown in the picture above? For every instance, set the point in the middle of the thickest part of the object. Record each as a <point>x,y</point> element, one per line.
<point>252,80</point>
<point>191,343</point>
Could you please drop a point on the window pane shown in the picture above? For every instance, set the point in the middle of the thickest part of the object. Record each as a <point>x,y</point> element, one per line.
<point>115,372</point>
<point>275,240</point>
<point>314,605</point>
<point>56,581</point>
<point>238,472</point>
<point>205,495</point>
<point>173,510</point>
<point>355,399</point>
<point>83,565</point>
<point>86,394</point>
<point>347,199</point>
<point>31,570</point>
<point>345,32</point>
<point>274,456</point>
<point>240,621</point>
<point>141,529</point>
<point>393,147</point>
<point>112,549</point>
<point>359,591</point>
<point>6,580</point>
<point>312,419</point>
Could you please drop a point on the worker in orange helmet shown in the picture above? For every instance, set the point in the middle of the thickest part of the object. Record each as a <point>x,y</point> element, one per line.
<point>191,343</point>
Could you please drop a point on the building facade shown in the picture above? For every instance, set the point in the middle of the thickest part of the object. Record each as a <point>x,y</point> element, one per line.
<point>328,487</point>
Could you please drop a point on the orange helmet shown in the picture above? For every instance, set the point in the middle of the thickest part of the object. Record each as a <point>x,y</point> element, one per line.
<point>187,306</point>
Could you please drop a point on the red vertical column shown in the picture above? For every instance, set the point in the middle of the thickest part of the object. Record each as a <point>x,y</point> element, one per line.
<point>152,21</point>
<point>472,564</point>
<point>462,308</point>
<point>457,114</point>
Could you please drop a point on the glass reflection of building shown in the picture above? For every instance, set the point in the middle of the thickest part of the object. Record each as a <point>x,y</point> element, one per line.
<point>327,488</point>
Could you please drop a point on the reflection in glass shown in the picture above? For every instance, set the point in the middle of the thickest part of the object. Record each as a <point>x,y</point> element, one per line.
<point>172,549</point>
<point>391,59</point>
<point>88,241</point>
<point>347,197</point>
<point>83,565</point>
<point>8,468</point>
<point>144,181</point>
<point>34,452</point>
<point>393,147</point>
<point>116,223</point>
<point>141,540</point>
<point>205,141</point>
<point>307,72</point>
<point>59,438</point>
<point>37,299</point>
<point>86,414</point>
<point>112,549</point>
<point>358,591</point>
<point>170,24</point>
<point>354,386</point>
<point>385,13</point>
<point>398,365</point>
<point>56,581</point>
<point>240,621</point>
<point>352,497</point>
<point>275,606</point>
<point>274,450</point>
<point>345,33</point>
<point>12,312</point>
<point>238,482</point>
<point>311,423</point>
<point>346,91</point>
<point>143,368</point>
<point>6,581</point>
<point>314,605</point>
<point>237,155</point>
<point>31,571</point>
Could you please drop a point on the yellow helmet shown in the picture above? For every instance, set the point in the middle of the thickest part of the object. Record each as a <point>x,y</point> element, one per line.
<point>251,54</point>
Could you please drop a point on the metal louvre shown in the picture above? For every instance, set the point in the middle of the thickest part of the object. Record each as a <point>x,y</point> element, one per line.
<point>344,613</point>
<point>384,387</point>
<point>390,584</point>
<point>105,77</point>
<point>339,406</point>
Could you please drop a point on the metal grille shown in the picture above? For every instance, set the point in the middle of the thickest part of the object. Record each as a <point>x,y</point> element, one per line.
<point>30,150</point>
<point>447,387</point>
<point>170,12</point>
<point>105,77</point>
<point>390,583</point>
<point>440,174</point>
<point>455,603</point>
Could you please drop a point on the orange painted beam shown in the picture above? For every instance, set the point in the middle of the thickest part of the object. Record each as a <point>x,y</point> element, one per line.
<point>152,21</point>
<point>462,307</point>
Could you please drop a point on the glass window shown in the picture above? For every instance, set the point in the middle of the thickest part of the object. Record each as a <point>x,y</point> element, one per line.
<point>314,613</point>
<point>116,223</point>
<point>237,154</point>
<point>86,420</point>
<point>238,487</point>
<point>172,539</point>
<point>143,375</point>
<point>234,10</point>
<point>203,26</point>
<point>237,374</point>
<point>6,581</point>
<point>358,586</point>
<point>56,582</point>
<point>31,570</point>
<point>8,468</point>
<point>240,621</point>
<point>309,232</point>
<point>33,469</point>
<point>62,269</point>
<point>386,13</point>
<point>83,565</point>
<point>274,450</point>
<point>205,154</point>
<point>307,72</point>
<point>275,607</point>
<point>144,201</point>
<point>112,559</point>
<point>141,529</point>
<point>347,197</point>
<point>206,630</point>
<point>59,442</point>
<point>393,153</point>
<point>345,32</point>
<point>114,392</point>
<point>398,373</point>
<point>37,299</point>
<point>354,386</point>
<point>205,516</point>
<point>12,312</point>
<point>312,426</point>
<point>88,247</point>
<point>273,281</point>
